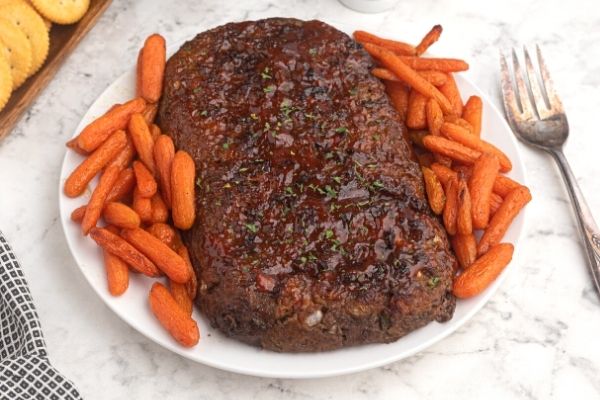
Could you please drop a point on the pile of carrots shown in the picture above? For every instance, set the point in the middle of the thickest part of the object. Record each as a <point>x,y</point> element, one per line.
<point>462,172</point>
<point>145,194</point>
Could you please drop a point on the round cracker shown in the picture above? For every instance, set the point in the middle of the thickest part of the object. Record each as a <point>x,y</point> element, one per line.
<point>14,43</point>
<point>26,19</point>
<point>28,2</point>
<point>62,12</point>
<point>6,83</point>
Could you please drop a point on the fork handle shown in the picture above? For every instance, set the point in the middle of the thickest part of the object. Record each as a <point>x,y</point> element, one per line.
<point>587,225</point>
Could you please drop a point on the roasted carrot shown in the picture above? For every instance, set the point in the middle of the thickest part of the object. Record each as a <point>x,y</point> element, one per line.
<point>125,156</point>
<point>142,140</point>
<point>434,190</point>
<point>170,315</point>
<point>464,219</point>
<point>164,152</point>
<point>85,172</point>
<point>118,246</point>
<point>451,206</point>
<point>72,144</point>
<point>398,93</point>
<point>363,37</point>
<point>180,294</point>
<point>481,184</point>
<point>117,274</point>
<point>145,182</point>
<point>510,207</point>
<point>435,117</point>
<point>142,206</point>
<point>416,117</point>
<point>453,119</point>
<point>120,215</point>
<point>183,177</point>
<point>100,129</point>
<point>149,113</point>
<point>436,78</point>
<point>465,249</point>
<point>448,148</point>
<point>503,185</point>
<point>98,198</point>
<point>166,259</point>
<point>443,173</point>
<point>450,91</point>
<point>155,131</point>
<point>160,213</point>
<point>153,67</point>
<point>407,74</point>
<point>77,214</point>
<point>460,135</point>
<point>430,38</point>
<point>166,234</point>
<point>472,113</point>
<point>476,278</point>
<point>123,186</point>
<point>435,64</point>
<point>495,203</point>
<point>192,284</point>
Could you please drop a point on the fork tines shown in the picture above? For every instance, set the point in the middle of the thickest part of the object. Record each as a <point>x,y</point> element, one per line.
<point>526,94</point>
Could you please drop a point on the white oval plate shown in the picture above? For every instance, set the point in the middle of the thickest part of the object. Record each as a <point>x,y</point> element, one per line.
<point>221,352</point>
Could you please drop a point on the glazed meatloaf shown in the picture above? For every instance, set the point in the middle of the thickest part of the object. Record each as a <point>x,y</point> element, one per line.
<point>313,230</point>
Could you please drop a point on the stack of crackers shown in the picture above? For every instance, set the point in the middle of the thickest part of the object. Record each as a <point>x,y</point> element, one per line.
<point>25,37</point>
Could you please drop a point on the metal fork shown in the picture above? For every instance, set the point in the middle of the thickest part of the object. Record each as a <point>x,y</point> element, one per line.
<point>537,117</point>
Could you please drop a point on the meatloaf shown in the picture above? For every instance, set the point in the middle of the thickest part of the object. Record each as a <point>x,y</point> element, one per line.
<point>313,229</point>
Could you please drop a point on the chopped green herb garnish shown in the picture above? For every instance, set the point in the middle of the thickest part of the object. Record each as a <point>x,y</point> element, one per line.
<point>289,190</point>
<point>328,233</point>
<point>243,169</point>
<point>204,113</point>
<point>303,260</point>
<point>376,137</point>
<point>199,182</point>
<point>252,228</point>
<point>312,257</point>
<point>197,90</point>
<point>433,281</point>
<point>353,91</point>
<point>265,74</point>
<point>329,155</point>
<point>338,179</point>
<point>312,51</point>
<point>309,116</point>
<point>330,191</point>
<point>269,89</point>
<point>334,207</point>
<point>378,184</point>
<point>342,129</point>
<point>226,145</point>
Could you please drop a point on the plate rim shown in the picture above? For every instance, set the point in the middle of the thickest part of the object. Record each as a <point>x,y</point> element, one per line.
<point>265,373</point>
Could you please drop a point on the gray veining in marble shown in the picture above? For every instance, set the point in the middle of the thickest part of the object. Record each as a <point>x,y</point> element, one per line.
<point>536,339</point>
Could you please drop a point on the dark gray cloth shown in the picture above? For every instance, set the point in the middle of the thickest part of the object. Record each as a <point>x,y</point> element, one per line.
<point>25,371</point>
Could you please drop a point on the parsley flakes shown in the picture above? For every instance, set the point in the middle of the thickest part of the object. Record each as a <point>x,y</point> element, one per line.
<point>251,227</point>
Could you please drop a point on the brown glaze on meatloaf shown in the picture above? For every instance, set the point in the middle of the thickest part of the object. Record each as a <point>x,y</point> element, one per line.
<point>313,230</point>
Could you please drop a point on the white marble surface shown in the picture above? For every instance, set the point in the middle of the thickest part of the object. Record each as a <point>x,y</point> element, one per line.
<point>537,338</point>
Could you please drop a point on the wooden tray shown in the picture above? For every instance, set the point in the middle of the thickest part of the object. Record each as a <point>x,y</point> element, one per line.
<point>63,39</point>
